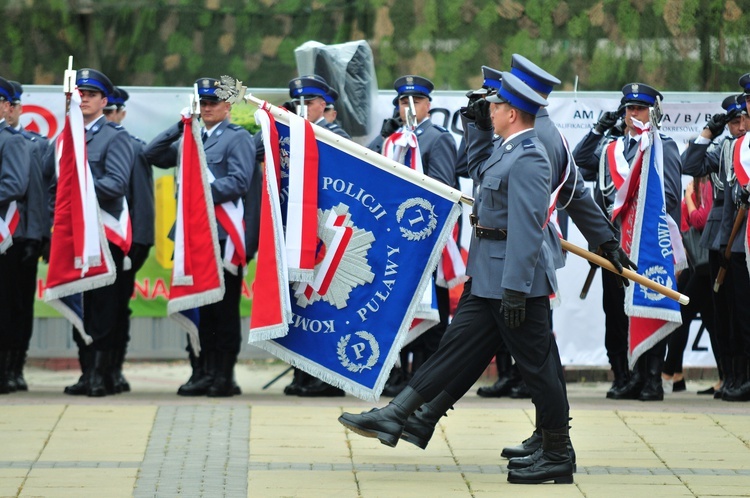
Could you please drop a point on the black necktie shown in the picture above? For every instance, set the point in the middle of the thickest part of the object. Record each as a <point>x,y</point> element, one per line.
<point>204,136</point>
<point>631,144</point>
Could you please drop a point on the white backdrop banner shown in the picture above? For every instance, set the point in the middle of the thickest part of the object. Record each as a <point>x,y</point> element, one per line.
<point>578,324</point>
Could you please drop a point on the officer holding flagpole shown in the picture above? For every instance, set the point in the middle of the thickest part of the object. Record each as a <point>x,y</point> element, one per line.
<point>230,157</point>
<point>110,157</point>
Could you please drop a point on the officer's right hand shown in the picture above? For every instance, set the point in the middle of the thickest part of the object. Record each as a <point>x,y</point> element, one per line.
<point>45,249</point>
<point>390,126</point>
<point>31,252</point>
<point>716,124</point>
<point>514,308</point>
<point>289,106</point>
<point>481,109</point>
<point>606,121</point>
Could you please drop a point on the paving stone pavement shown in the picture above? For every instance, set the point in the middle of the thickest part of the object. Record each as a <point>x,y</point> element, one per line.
<point>152,443</point>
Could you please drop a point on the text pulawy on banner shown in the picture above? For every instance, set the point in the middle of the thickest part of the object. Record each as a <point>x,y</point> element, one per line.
<point>381,229</point>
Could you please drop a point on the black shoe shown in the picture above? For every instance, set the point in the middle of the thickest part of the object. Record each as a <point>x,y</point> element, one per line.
<point>319,389</point>
<point>526,448</point>
<point>520,391</point>
<point>223,384</point>
<point>622,375</point>
<point>679,386</point>
<point>554,462</point>
<point>386,423</point>
<point>741,393</point>
<point>710,390</point>
<point>527,461</point>
<point>79,388</point>
<point>300,380</point>
<point>634,386</point>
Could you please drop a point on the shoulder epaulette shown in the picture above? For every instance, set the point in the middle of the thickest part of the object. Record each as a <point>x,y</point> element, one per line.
<point>115,125</point>
<point>137,139</point>
<point>32,137</point>
<point>528,144</point>
<point>11,130</point>
<point>440,128</point>
<point>235,127</point>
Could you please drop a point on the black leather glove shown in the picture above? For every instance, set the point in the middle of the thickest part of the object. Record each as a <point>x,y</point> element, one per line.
<point>289,106</point>
<point>468,113</point>
<point>744,197</point>
<point>138,254</point>
<point>481,109</point>
<point>45,249</point>
<point>32,249</point>
<point>606,121</point>
<point>618,130</point>
<point>716,124</point>
<point>612,251</point>
<point>514,308</point>
<point>390,126</point>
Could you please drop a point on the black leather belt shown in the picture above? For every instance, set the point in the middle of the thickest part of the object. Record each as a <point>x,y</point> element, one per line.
<point>490,233</point>
<point>486,232</point>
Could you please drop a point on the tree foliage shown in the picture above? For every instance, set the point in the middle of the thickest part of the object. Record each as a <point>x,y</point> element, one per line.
<point>677,45</point>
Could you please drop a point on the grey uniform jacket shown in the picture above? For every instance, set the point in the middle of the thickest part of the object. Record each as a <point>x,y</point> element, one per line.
<point>14,160</point>
<point>706,159</point>
<point>230,155</point>
<point>589,150</point>
<point>34,220</point>
<point>141,195</point>
<point>732,191</point>
<point>110,157</point>
<point>438,149</point>
<point>514,190</point>
<point>574,196</point>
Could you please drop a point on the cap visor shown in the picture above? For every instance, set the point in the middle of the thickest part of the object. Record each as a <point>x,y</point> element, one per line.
<point>495,99</point>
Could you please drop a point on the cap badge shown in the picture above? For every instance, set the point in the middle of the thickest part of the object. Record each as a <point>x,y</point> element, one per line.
<point>298,83</point>
<point>409,80</point>
<point>85,73</point>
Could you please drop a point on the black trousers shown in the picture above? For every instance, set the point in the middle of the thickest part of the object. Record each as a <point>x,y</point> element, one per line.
<point>615,321</point>
<point>472,339</point>
<point>103,308</point>
<point>697,286</point>
<point>219,326</point>
<point>426,344</point>
<point>126,293</point>
<point>740,340</point>
<point>17,289</point>
<point>722,331</point>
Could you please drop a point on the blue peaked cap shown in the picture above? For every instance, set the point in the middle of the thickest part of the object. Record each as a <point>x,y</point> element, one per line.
<point>207,89</point>
<point>640,94</point>
<point>6,90</point>
<point>310,86</point>
<point>518,94</point>
<point>492,77</point>
<point>533,75</point>
<point>416,86</point>
<point>734,105</point>
<point>91,79</point>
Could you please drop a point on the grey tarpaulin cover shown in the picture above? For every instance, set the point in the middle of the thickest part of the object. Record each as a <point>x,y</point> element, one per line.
<point>350,70</point>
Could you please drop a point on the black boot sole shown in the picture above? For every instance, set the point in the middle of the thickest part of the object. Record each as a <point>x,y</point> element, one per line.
<point>384,437</point>
<point>417,441</point>
<point>557,480</point>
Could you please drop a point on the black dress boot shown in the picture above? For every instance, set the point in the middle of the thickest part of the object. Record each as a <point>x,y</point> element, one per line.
<point>741,389</point>
<point>554,463</point>
<point>19,361</point>
<point>204,369</point>
<point>652,388</point>
<point>523,462</point>
<point>386,423</point>
<point>121,383</point>
<point>621,372</point>
<point>526,448</point>
<point>421,424</point>
<point>520,391</point>
<point>223,385</point>
<point>634,386</point>
<point>299,380</point>
<point>316,388</point>
<point>86,360</point>
<point>100,375</point>
<point>505,378</point>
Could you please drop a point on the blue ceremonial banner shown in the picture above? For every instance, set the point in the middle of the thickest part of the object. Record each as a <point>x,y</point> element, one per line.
<point>380,235</point>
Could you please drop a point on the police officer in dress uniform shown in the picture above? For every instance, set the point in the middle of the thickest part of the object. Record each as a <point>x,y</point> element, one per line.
<point>230,156</point>
<point>710,155</point>
<point>140,198</point>
<point>438,151</point>
<point>509,381</point>
<point>14,182</point>
<point>32,230</point>
<point>644,382</point>
<point>110,156</point>
<point>738,386</point>
<point>512,275</point>
<point>313,99</point>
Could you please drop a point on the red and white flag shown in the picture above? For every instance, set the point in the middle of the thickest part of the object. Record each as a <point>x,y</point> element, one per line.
<point>80,259</point>
<point>741,165</point>
<point>8,227</point>
<point>197,275</point>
